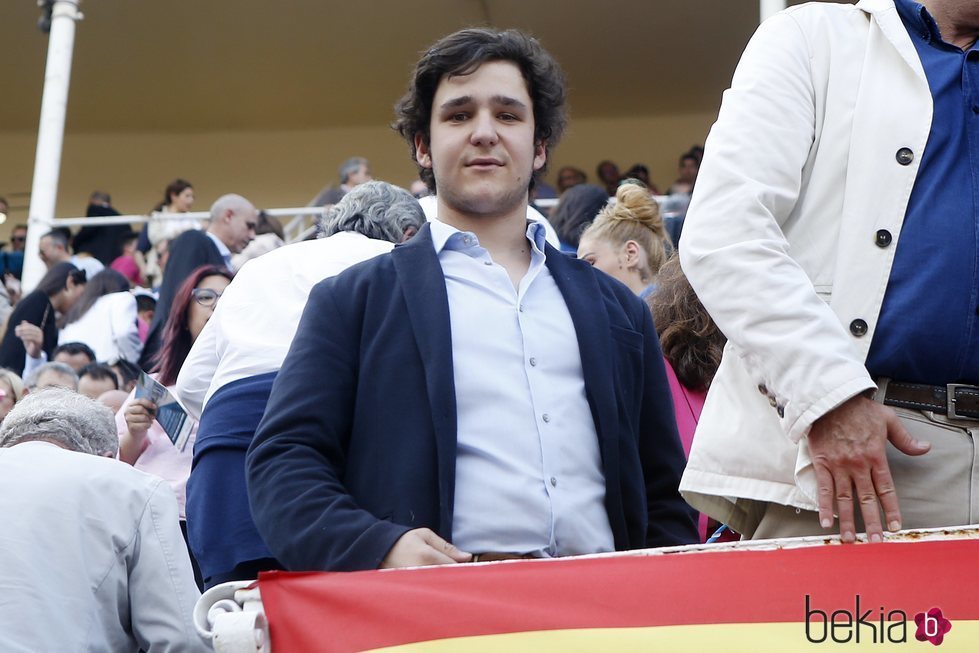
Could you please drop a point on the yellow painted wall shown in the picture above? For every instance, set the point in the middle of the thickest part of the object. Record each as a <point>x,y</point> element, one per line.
<point>287,168</point>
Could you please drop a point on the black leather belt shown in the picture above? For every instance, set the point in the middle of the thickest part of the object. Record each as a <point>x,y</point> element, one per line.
<point>956,400</point>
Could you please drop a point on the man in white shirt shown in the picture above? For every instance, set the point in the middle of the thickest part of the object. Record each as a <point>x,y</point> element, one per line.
<point>54,248</point>
<point>227,376</point>
<point>474,386</point>
<point>93,555</point>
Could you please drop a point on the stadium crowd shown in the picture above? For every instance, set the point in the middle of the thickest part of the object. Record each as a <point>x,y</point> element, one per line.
<point>453,375</point>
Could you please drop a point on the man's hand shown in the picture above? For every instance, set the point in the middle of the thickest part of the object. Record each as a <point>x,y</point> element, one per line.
<point>32,336</point>
<point>421,547</point>
<point>848,451</point>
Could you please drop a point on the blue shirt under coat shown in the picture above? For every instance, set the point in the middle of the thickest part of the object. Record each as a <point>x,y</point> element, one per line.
<point>928,331</point>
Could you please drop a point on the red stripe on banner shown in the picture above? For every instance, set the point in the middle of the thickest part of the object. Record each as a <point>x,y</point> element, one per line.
<point>366,610</point>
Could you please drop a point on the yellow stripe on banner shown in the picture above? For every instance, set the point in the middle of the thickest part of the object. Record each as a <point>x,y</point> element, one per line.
<point>729,638</point>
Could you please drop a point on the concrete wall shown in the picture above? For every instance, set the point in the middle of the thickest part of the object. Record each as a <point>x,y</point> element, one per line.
<point>287,168</point>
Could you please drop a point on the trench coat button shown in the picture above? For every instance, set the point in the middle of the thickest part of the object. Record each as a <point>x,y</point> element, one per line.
<point>762,389</point>
<point>905,156</point>
<point>858,327</point>
<point>772,402</point>
<point>781,411</point>
<point>883,238</point>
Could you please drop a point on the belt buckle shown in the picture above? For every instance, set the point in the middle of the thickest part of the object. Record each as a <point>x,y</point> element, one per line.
<point>950,399</point>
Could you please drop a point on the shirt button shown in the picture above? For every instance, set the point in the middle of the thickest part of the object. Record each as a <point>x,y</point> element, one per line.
<point>487,262</point>
<point>883,238</point>
<point>520,307</point>
<point>533,362</point>
<point>762,389</point>
<point>467,240</point>
<point>772,402</point>
<point>553,482</point>
<point>546,417</point>
<point>905,156</point>
<point>780,410</point>
<point>858,327</point>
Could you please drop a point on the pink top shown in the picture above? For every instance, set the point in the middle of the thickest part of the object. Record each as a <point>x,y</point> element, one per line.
<point>687,405</point>
<point>160,457</point>
<point>142,329</point>
<point>127,267</point>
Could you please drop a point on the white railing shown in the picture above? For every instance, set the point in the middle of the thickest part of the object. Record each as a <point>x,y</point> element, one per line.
<point>301,226</point>
<point>293,228</point>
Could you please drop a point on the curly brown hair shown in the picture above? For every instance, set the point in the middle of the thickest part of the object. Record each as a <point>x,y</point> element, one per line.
<point>462,53</point>
<point>691,341</point>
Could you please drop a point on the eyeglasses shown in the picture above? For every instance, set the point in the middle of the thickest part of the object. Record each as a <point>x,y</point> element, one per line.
<point>17,239</point>
<point>206,297</point>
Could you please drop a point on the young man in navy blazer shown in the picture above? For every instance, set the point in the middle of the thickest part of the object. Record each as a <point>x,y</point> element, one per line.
<point>474,395</point>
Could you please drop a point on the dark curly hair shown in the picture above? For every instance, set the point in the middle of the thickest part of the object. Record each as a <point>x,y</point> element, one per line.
<point>462,53</point>
<point>691,341</point>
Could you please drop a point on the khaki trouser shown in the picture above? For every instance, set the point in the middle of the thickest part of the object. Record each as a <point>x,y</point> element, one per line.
<point>940,488</point>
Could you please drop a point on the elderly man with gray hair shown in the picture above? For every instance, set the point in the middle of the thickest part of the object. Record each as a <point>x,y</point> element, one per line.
<point>51,375</point>
<point>353,172</point>
<point>228,374</point>
<point>93,555</point>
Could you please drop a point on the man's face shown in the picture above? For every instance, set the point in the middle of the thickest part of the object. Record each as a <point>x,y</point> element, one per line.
<point>241,229</point>
<point>361,176</point>
<point>18,238</point>
<point>609,173</point>
<point>688,170</point>
<point>482,149</point>
<point>54,379</point>
<point>567,178</point>
<point>50,252</point>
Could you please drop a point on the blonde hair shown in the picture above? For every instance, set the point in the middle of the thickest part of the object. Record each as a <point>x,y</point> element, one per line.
<point>633,216</point>
<point>14,382</point>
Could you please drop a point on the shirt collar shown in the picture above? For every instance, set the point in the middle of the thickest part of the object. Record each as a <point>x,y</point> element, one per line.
<point>445,236</point>
<point>222,248</point>
<point>918,21</point>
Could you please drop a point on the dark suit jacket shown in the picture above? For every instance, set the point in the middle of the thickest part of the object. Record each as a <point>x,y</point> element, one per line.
<point>104,242</point>
<point>188,251</point>
<point>35,308</point>
<point>358,442</point>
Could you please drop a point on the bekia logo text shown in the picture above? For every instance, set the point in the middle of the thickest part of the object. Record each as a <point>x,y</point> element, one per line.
<point>875,626</point>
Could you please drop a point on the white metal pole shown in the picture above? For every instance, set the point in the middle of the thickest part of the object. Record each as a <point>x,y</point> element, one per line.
<point>50,135</point>
<point>769,8</point>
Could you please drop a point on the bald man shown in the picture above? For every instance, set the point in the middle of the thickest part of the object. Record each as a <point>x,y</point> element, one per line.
<point>231,228</point>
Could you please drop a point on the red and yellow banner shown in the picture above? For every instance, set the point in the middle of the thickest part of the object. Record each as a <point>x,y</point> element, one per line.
<point>835,597</point>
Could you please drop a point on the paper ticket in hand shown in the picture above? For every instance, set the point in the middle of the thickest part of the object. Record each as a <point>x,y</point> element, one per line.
<point>170,414</point>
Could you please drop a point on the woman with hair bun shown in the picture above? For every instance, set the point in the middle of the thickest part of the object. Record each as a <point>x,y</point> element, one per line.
<point>627,240</point>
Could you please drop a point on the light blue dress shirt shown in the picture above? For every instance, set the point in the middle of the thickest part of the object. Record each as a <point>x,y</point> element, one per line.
<point>529,474</point>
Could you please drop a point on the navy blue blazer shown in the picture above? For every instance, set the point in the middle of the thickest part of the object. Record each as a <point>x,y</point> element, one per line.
<point>358,442</point>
